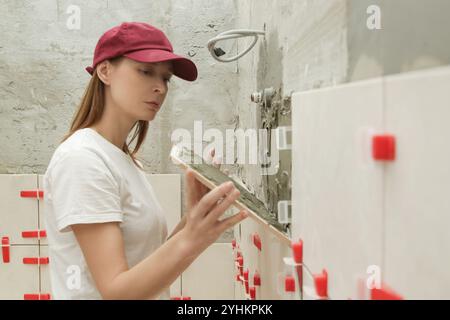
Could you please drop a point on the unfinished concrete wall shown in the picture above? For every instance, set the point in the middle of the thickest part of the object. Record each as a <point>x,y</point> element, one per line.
<point>412,36</point>
<point>42,74</point>
<point>308,44</point>
<point>42,78</point>
<point>305,47</point>
<point>321,43</point>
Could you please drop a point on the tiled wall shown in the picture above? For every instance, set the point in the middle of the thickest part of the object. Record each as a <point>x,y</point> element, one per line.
<point>21,210</point>
<point>360,217</point>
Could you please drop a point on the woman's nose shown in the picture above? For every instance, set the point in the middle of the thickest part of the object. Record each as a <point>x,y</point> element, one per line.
<point>160,87</point>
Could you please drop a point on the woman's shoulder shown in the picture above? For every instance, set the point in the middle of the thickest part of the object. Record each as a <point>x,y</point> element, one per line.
<point>81,155</point>
<point>76,151</point>
<point>82,141</point>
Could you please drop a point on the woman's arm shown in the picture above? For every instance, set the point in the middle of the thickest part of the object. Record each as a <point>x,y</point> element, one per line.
<point>103,248</point>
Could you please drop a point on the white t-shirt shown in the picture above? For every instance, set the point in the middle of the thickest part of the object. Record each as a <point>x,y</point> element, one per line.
<point>90,180</point>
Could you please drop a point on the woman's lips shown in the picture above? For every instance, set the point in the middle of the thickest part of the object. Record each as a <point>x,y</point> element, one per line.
<point>153,104</point>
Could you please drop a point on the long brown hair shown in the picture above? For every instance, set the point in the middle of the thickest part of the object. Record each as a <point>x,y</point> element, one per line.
<point>91,110</point>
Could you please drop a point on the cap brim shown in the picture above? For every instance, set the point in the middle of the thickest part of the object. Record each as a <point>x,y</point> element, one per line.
<point>182,67</point>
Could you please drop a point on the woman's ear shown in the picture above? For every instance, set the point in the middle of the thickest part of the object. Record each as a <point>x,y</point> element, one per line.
<point>104,72</point>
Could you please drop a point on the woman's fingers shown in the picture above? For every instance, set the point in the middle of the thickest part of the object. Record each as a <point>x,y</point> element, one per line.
<point>231,221</point>
<point>203,190</point>
<point>222,206</point>
<point>203,221</point>
<point>212,197</point>
<point>191,185</point>
<point>195,189</point>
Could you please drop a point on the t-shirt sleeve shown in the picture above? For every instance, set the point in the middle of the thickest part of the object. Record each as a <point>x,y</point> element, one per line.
<point>84,190</point>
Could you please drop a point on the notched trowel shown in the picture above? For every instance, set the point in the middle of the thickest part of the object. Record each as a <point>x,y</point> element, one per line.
<point>211,177</point>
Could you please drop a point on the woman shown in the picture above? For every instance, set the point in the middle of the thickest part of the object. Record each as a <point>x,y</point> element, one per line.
<point>106,231</point>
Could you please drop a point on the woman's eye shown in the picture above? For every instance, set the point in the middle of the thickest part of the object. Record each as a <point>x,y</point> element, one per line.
<point>149,72</point>
<point>144,72</point>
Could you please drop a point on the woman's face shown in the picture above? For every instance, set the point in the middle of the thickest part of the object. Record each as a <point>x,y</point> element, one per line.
<point>135,85</point>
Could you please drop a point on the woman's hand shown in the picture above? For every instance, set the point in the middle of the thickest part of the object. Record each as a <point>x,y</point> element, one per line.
<point>195,190</point>
<point>203,227</point>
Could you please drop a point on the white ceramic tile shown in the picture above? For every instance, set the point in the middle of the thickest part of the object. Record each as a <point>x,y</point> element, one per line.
<point>211,275</point>
<point>44,273</point>
<point>250,253</point>
<point>175,288</point>
<point>167,189</point>
<point>271,266</point>
<point>417,185</point>
<point>17,278</point>
<point>41,209</point>
<point>239,290</point>
<point>18,214</point>
<point>336,187</point>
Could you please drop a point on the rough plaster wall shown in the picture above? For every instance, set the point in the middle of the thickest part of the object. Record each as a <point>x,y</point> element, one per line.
<point>309,44</point>
<point>305,47</point>
<point>211,98</point>
<point>42,74</point>
<point>413,36</point>
<point>319,43</point>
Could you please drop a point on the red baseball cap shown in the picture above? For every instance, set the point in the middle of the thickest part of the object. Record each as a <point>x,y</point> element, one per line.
<point>144,43</point>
